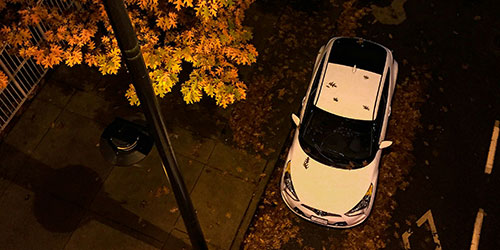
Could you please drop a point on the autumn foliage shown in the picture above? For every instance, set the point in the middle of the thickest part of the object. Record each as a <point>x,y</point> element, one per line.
<point>3,80</point>
<point>207,35</point>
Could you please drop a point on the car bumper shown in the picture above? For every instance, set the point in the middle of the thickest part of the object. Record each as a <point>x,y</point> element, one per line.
<point>338,221</point>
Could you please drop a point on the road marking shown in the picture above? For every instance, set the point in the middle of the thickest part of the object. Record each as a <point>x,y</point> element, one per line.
<point>426,217</point>
<point>477,230</point>
<point>493,146</point>
<point>406,238</point>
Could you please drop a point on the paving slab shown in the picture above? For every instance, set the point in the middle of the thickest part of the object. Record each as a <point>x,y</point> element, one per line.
<point>221,201</point>
<point>9,160</point>
<point>96,235</point>
<point>237,162</point>
<point>90,105</point>
<point>60,195</point>
<point>177,240</point>
<point>204,117</point>
<point>73,142</point>
<point>55,93</point>
<point>32,221</point>
<point>144,192</point>
<point>20,168</point>
<point>186,143</point>
<point>74,183</point>
<point>114,87</point>
<point>101,109</point>
<point>4,184</point>
<point>81,77</point>
<point>180,241</point>
<point>33,125</point>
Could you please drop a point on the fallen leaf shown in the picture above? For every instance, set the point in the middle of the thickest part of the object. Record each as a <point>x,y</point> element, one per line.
<point>281,93</point>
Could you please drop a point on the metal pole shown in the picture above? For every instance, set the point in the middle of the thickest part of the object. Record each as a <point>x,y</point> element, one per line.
<point>129,46</point>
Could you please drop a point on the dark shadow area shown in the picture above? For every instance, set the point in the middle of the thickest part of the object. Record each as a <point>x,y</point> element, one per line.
<point>75,184</point>
<point>309,5</point>
<point>80,77</point>
<point>62,197</point>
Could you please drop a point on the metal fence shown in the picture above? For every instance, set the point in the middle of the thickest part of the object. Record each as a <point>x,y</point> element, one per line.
<point>23,74</point>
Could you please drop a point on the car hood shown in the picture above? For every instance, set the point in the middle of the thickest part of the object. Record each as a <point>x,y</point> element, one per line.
<point>327,188</point>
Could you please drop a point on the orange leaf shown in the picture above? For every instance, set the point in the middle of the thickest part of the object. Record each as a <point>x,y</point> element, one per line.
<point>3,80</point>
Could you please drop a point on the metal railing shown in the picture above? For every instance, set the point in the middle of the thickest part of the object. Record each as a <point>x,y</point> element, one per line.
<point>23,74</point>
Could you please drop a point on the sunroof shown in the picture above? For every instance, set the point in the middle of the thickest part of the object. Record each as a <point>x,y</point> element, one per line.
<point>354,51</point>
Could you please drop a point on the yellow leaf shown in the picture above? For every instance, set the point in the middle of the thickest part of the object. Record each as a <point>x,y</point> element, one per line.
<point>162,23</point>
<point>91,60</point>
<point>176,68</point>
<point>178,4</point>
<point>73,57</point>
<point>132,96</point>
<point>54,57</point>
<point>172,20</point>
<point>188,3</point>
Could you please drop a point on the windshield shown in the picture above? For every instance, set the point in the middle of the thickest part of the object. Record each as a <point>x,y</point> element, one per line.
<point>337,141</point>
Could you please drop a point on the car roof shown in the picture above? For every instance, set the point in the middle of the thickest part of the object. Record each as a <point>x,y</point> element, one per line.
<point>349,92</point>
<point>352,79</point>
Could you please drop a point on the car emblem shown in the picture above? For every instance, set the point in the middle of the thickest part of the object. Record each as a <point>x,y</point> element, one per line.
<point>306,163</point>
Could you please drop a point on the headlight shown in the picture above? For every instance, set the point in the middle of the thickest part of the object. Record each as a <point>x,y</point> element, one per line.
<point>358,209</point>
<point>288,182</point>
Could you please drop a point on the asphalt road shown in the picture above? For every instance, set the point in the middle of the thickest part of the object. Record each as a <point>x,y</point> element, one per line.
<point>460,42</point>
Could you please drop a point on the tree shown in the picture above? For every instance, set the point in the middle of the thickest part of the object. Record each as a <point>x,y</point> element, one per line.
<point>207,35</point>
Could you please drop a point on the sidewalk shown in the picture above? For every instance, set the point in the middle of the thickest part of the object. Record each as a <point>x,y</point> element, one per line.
<point>57,191</point>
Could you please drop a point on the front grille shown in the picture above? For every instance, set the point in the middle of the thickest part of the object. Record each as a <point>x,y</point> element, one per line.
<point>297,210</point>
<point>319,212</point>
<point>340,224</point>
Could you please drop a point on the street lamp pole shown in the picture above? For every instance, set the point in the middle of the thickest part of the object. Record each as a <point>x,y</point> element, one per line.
<point>129,46</point>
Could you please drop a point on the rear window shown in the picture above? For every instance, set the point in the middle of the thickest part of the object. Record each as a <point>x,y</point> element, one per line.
<point>360,53</point>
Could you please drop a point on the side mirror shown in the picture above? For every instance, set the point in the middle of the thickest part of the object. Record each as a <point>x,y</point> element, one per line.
<point>385,144</point>
<point>295,119</point>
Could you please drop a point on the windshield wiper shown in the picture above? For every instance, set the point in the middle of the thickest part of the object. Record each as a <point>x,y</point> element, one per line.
<point>318,149</point>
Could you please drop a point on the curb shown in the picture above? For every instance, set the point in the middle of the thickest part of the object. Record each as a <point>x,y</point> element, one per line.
<point>257,195</point>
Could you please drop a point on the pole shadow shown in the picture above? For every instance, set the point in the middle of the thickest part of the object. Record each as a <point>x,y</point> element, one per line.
<point>62,198</point>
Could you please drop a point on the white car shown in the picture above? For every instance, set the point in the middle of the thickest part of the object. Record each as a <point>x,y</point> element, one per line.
<point>331,170</point>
